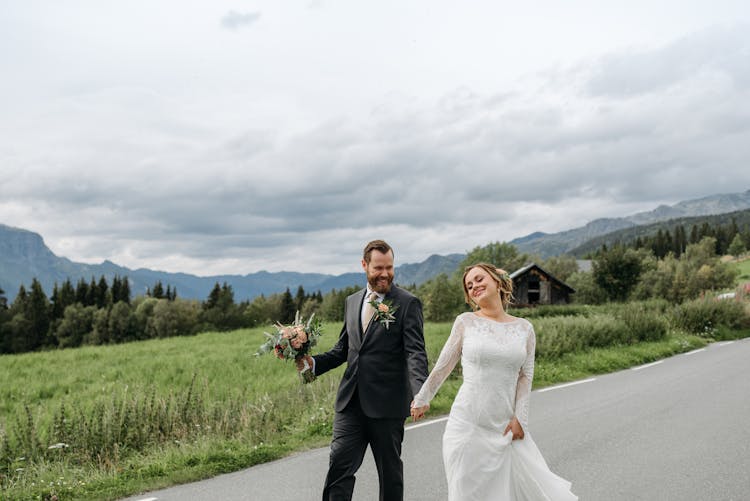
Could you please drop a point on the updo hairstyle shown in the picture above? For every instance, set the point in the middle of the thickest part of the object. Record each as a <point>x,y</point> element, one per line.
<point>501,278</point>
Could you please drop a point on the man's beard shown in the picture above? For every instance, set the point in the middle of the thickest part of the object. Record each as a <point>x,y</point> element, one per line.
<point>377,286</point>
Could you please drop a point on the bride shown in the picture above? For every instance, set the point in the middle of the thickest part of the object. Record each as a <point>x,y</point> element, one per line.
<point>488,452</point>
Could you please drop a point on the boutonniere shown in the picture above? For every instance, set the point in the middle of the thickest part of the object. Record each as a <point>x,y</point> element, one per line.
<point>384,311</point>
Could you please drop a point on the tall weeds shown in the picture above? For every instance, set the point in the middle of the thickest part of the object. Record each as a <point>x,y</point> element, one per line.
<point>134,420</point>
<point>705,316</point>
<point>615,324</point>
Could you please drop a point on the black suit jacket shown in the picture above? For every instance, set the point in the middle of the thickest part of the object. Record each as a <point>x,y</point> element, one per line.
<point>385,366</point>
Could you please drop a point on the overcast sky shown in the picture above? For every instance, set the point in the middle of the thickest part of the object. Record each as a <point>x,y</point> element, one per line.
<point>230,137</point>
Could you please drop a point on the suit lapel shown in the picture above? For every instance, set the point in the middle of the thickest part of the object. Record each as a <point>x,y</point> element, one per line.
<point>355,314</point>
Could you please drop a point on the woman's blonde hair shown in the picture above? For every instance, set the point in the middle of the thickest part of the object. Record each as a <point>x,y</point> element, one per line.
<point>501,278</point>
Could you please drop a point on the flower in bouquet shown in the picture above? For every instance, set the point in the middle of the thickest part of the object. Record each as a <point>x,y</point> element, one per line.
<point>384,311</point>
<point>293,342</point>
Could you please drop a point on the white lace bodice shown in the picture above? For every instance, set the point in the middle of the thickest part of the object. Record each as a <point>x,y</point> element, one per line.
<point>498,368</point>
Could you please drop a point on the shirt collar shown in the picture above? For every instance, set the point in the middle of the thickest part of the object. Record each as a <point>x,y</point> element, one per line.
<point>370,291</point>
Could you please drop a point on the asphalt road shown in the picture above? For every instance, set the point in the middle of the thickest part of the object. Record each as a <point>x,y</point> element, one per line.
<point>678,429</point>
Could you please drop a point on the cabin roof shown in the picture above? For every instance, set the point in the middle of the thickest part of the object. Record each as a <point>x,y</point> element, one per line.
<point>522,271</point>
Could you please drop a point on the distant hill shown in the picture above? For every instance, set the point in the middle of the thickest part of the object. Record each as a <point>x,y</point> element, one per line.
<point>24,256</point>
<point>552,244</point>
<point>628,235</point>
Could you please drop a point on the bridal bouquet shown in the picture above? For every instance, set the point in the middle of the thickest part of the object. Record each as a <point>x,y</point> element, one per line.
<point>293,342</point>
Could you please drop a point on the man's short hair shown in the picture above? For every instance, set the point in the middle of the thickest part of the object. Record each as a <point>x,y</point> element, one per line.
<point>379,245</point>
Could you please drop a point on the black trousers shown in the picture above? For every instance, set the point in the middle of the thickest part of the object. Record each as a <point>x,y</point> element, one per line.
<point>352,433</point>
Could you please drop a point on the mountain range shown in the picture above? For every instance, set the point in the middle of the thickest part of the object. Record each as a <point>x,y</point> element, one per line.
<point>24,256</point>
<point>627,235</point>
<point>553,244</point>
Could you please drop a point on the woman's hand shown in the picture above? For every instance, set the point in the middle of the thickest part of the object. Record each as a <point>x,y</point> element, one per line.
<point>417,413</point>
<point>514,427</point>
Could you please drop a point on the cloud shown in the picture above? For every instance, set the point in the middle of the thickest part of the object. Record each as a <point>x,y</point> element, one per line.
<point>234,20</point>
<point>140,180</point>
<point>722,52</point>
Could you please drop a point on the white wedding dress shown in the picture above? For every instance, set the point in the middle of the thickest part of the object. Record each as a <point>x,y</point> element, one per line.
<point>481,463</point>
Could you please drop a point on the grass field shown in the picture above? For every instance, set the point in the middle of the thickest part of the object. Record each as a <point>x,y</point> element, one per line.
<point>744,268</point>
<point>144,415</point>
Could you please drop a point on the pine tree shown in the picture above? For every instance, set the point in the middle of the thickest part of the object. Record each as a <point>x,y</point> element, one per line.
<point>116,288</point>
<point>722,243</point>
<point>694,237</point>
<point>668,242</point>
<point>733,230</point>
<point>680,240</point>
<point>102,293</point>
<point>288,309</point>
<point>82,292</point>
<point>125,290</point>
<point>19,303</point>
<point>213,297</point>
<point>299,299</point>
<point>57,309</point>
<point>92,293</point>
<point>158,290</point>
<point>37,311</point>
<point>227,296</point>
<point>67,294</point>
<point>657,246</point>
<point>3,300</point>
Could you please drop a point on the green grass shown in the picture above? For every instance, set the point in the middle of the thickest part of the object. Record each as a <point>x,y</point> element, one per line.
<point>261,392</point>
<point>744,268</point>
<point>219,408</point>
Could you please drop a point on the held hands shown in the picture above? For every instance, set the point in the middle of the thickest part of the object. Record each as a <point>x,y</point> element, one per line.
<point>418,413</point>
<point>515,428</point>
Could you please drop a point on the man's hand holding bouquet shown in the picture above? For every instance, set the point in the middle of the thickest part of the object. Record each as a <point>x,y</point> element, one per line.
<point>293,342</point>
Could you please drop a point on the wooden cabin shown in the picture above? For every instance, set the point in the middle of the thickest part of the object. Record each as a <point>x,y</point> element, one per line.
<point>532,285</point>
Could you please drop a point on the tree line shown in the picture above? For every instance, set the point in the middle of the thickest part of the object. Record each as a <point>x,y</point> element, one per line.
<point>99,312</point>
<point>728,239</point>
<point>618,274</point>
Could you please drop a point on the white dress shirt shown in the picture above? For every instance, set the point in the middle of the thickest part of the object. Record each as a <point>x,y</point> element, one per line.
<point>379,299</point>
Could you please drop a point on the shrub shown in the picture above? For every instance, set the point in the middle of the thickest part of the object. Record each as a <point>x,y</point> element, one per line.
<point>559,335</point>
<point>555,310</point>
<point>644,321</point>
<point>704,316</point>
<point>596,327</point>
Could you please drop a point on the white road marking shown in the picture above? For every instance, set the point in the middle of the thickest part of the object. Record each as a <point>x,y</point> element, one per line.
<point>645,366</point>
<point>566,385</point>
<point>694,351</point>
<point>148,499</point>
<point>726,343</point>
<point>426,423</point>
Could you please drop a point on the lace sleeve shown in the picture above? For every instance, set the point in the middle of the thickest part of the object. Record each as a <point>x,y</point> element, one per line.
<point>449,357</point>
<point>525,377</point>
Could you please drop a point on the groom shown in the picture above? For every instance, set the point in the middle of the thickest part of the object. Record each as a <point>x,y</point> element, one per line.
<point>386,366</point>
